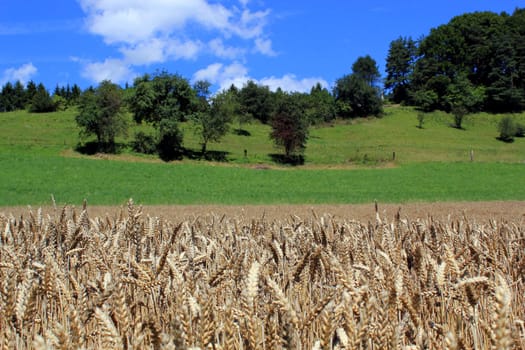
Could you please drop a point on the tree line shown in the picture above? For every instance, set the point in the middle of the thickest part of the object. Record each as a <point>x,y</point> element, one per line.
<point>476,62</point>
<point>165,100</point>
<point>36,98</point>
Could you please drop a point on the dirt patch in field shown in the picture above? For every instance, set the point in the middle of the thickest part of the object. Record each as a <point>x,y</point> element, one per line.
<point>477,211</point>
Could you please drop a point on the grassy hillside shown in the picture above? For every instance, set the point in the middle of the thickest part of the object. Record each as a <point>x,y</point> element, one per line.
<point>358,142</point>
<point>432,164</point>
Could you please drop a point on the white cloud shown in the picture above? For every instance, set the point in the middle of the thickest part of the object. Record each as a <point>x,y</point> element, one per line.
<point>146,52</point>
<point>135,23</point>
<point>132,21</point>
<point>22,74</point>
<point>251,24</point>
<point>211,73</point>
<point>157,50</point>
<point>111,69</point>
<point>237,74</point>
<point>188,49</point>
<point>218,48</point>
<point>264,46</point>
<point>224,76</point>
<point>289,82</point>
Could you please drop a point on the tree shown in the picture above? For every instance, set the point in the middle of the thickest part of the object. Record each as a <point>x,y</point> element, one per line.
<point>462,93</point>
<point>356,94</point>
<point>213,122</point>
<point>164,101</point>
<point>365,68</point>
<point>30,92</point>
<point>256,101</point>
<point>75,93</point>
<point>357,97</point>
<point>100,114</point>
<point>320,105</point>
<point>19,95</point>
<point>12,97</point>
<point>170,139</point>
<point>166,96</point>
<point>289,126</point>
<point>42,101</point>
<point>7,102</point>
<point>402,56</point>
<point>463,98</point>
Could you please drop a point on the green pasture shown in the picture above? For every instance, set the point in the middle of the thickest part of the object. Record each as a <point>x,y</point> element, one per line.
<point>32,179</point>
<point>347,162</point>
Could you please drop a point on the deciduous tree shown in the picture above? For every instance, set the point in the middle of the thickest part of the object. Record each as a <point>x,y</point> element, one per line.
<point>289,126</point>
<point>100,114</point>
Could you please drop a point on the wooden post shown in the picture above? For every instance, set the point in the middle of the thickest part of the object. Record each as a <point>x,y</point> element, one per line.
<point>471,155</point>
<point>394,155</point>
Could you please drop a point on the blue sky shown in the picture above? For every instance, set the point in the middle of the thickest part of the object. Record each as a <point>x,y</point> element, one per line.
<point>292,44</point>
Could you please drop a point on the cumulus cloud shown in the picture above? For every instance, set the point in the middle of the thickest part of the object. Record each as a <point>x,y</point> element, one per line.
<point>133,21</point>
<point>115,70</point>
<point>237,74</point>
<point>264,46</point>
<point>24,73</point>
<point>223,75</point>
<point>220,50</point>
<point>158,31</point>
<point>155,31</point>
<point>289,82</point>
<point>156,50</point>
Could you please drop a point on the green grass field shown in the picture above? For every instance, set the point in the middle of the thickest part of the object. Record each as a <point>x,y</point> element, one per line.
<point>345,163</point>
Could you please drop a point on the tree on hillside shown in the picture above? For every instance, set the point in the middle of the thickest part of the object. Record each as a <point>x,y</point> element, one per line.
<point>320,105</point>
<point>486,48</point>
<point>256,101</point>
<point>7,98</point>
<point>365,68</point>
<point>165,96</point>
<point>402,56</point>
<point>170,139</point>
<point>213,121</point>
<point>356,94</point>
<point>19,95</point>
<point>164,100</point>
<point>100,114</point>
<point>42,101</point>
<point>30,92</point>
<point>289,126</point>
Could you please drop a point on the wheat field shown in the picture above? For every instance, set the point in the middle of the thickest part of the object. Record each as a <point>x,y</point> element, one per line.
<point>137,281</point>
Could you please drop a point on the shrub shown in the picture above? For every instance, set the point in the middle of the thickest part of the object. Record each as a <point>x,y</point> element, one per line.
<point>459,113</point>
<point>520,130</point>
<point>170,140</point>
<point>420,119</point>
<point>507,129</point>
<point>144,143</point>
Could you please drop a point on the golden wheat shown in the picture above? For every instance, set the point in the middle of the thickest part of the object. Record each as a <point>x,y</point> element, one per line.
<point>68,280</point>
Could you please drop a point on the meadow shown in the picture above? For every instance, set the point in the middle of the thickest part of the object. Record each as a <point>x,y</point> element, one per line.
<point>346,162</point>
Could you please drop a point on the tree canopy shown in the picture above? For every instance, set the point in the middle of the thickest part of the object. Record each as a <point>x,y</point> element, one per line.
<point>481,53</point>
<point>289,126</point>
<point>100,115</point>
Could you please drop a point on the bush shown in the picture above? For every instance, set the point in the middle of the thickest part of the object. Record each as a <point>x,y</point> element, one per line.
<point>507,129</point>
<point>420,119</point>
<point>459,113</point>
<point>170,140</point>
<point>520,130</point>
<point>144,143</point>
